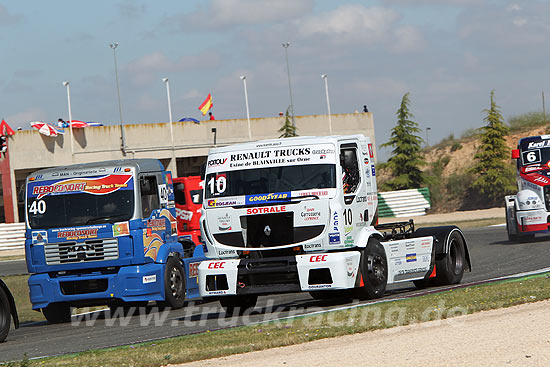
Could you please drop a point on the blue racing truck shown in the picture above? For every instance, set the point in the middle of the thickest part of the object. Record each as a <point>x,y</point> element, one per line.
<point>105,234</point>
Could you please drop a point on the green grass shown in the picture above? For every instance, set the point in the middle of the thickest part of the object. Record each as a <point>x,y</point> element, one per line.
<point>439,306</point>
<point>20,290</point>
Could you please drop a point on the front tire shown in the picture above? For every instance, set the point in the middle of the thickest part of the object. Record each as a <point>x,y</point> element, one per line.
<point>234,305</point>
<point>374,269</point>
<point>57,313</point>
<point>174,284</point>
<point>5,315</point>
<point>451,268</point>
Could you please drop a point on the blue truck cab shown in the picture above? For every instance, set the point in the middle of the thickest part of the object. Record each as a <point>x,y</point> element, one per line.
<point>105,234</point>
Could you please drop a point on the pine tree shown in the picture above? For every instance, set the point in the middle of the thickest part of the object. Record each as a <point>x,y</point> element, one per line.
<point>287,130</point>
<point>406,158</point>
<point>494,175</point>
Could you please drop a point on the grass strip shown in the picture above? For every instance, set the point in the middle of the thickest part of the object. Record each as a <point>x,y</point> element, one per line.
<point>439,306</point>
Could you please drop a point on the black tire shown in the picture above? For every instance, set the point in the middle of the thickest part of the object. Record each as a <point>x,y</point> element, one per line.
<point>5,315</point>
<point>374,268</point>
<point>174,284</point>
<point>57,313</point>
<point>450,269</point>
<point>511,237</point>
<point>234,305</point>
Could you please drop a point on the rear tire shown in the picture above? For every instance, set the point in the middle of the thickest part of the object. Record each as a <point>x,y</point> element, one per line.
<point>511,236</point>
<point>57,313</point>
<point>234,305</point>
<point>5,315</point>
<point>450,269</point>
<point>374,269</point>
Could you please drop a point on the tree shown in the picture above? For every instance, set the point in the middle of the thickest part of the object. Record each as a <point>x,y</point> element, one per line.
<point>494,176</point>
<point>406,158</point>
<point>287,130</point>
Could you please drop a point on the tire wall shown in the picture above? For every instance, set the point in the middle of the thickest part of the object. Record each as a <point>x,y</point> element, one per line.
<point>13,309</point>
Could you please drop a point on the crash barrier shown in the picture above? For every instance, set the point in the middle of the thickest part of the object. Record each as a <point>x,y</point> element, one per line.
<point>12,236</point>
<point>403,203</point>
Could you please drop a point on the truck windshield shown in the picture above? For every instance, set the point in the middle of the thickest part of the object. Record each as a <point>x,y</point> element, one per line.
<point>270,180</point>
<point>79,202</point>
<point>535,153</point>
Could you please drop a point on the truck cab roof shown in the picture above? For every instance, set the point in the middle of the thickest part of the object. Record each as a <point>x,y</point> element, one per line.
<point>140,165</point>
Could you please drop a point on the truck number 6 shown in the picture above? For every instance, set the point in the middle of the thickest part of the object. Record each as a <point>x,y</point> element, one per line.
<point>38,207</point>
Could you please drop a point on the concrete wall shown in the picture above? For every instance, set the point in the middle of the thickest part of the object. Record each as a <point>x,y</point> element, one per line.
<point>29,150</point>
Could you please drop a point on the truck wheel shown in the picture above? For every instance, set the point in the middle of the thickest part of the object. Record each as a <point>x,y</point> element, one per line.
<point>57,313</point>
<point>451,269</point>
<point>174,284</point>
<point>5,315</point>
<point>374,269</point>
<point>238,304</point>
<point>511,237</point>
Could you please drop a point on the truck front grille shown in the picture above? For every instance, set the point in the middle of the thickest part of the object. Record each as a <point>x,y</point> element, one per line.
<point>75,252</point>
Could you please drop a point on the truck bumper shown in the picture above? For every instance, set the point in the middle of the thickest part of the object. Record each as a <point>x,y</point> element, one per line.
<point>137,283</point>
<point>532,221</point>
<point>279,274</point>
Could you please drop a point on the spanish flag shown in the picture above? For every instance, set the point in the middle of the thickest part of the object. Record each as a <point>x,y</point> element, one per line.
<point>206,105</point>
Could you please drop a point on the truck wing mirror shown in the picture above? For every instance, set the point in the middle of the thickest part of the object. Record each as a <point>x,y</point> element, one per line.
<point>203,170</point>
<point>515,153</point>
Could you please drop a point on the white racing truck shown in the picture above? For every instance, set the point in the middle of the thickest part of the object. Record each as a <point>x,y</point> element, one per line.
<point>528,212</point>
<point>299,214</point>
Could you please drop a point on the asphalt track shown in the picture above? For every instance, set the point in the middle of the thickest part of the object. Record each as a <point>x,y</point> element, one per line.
<point>491,253</point>
<point>13,267</point>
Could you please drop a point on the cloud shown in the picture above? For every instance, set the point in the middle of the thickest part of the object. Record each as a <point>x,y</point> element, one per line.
<point>130,9</point>
<point>7,19</point>
<point>224,13</point>
<point>407,38</point>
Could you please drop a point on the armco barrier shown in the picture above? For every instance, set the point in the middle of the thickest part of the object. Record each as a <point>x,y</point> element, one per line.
<point>12,236</point>
<point>403,203</point>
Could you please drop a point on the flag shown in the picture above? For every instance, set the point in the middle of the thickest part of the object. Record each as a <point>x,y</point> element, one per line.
<point>206,105</point>
<point>5,129</point>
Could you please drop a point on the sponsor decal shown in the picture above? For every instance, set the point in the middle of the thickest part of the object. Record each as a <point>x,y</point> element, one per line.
<point>319,193</point>
<point>349,267</point>
<point>320,286</point>
<point>217,292</point>
<point>156,224</point>
<point>121,229</point>
<point>267,154</point>
<point>310,214</point>
<point>413,271</point>
<point>149,279</point>
<point>194,270</point>
<point>184,214</point>
<point>95,186</point>
<point>217,203</point>
<point>361,224</point>
<point>334,238</point>
<point>361,199</point>
<point>226,252</point>
<point>532,168</point>
<point>371,152</point>
<point>335,222</point>
<point>318,258</point>
<point>78,234</point>
<point>426,244</point>
<point>216,265</point>
<point>347,230</point>
<point>312,245</point>
<point>39,237</point>
<point>410,257</point>
<point>224,222</point>
<point>373,171</point>
<point>266,198</point>
<point>348,242</point>
<point>538,144</point>
<point>271,209</point>
<point>216,162</point>
<point>409,245</point>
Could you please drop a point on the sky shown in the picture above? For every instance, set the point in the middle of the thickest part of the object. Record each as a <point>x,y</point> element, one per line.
<point>448,54</point>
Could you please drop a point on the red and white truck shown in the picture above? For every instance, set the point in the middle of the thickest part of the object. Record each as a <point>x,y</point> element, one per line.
<point>299,215</point>
<point>528,211</point>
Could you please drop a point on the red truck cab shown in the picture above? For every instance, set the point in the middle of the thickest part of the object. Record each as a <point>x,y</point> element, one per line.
<point>188,193</point>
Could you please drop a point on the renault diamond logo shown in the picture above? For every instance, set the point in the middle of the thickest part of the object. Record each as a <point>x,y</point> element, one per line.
<point>267,231</point>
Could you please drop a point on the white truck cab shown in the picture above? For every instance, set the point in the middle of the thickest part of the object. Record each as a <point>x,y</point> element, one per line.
<point>299,214</point>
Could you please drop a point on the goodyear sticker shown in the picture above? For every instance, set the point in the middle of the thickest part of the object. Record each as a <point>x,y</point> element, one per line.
<point>267,198</point>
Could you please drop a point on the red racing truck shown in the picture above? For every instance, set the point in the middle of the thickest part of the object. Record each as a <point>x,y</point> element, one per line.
<point>188,192</point>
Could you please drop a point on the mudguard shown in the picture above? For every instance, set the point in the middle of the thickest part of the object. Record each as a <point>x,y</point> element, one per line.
<point>364,235</point>
<point>441,235</point>
<point>11,300</point>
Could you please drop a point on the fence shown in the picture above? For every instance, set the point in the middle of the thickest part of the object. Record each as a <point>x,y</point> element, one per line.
<point>12,236</point>
<point>403,203</point>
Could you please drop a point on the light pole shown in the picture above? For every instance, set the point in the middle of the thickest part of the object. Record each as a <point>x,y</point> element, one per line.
<point>165,80</point>
<point>243,78</point>
<point>66,84</point>
<point>286,45</point>
<point>122,138</point>
<point>427,137</point>
<point>324,77</point>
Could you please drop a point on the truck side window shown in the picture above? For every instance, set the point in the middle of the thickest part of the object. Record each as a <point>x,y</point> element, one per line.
<point>149,195</point>
<point>179,193</point>
<point>350,169</point>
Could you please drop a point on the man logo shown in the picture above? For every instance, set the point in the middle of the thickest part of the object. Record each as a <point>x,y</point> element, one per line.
<point>267,231</point>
